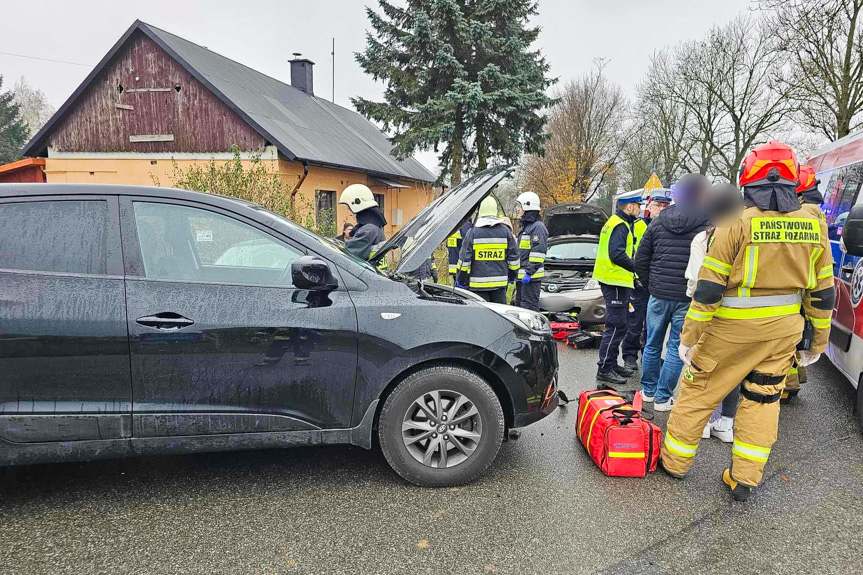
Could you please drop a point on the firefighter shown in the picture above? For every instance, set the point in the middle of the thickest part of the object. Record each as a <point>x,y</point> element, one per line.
<point>633,342</point>
<point>367,236</point>
<point>810,199</point>
<point>615,272</point>
<point>426,271</point>
<point>453,246</point>
<point>532,247</point>
<point>489,255</point>
<point>744,322</point>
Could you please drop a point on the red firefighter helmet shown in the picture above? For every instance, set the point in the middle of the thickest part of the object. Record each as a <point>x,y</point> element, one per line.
<point>773,162</point>
<point>807,178</point>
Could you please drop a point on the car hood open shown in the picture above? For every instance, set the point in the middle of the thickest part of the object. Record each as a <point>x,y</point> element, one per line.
<point>428,229</point>
<point>574,219</point>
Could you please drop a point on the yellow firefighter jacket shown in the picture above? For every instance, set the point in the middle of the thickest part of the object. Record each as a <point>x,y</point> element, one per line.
<point>757,275</point>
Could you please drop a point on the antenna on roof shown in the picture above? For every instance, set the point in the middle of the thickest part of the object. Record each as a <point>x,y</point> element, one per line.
<point>333,54</point>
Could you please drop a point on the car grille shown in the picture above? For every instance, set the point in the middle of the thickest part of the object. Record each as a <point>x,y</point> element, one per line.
<point>569,284</point>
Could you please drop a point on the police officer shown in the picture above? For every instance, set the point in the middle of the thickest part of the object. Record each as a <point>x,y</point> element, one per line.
<point>367,236</point>
<point>532,247</point>
<point>633,343</point>
<point>810,199</point>
<point>453,246</point>
<point>615,272</point>
<point>744,321</point>
<point>489,255</point>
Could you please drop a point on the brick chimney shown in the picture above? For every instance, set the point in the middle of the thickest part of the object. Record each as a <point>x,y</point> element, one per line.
<point>302,74</point>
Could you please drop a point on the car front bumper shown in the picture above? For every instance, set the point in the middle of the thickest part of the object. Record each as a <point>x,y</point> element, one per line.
<point>589,304</point>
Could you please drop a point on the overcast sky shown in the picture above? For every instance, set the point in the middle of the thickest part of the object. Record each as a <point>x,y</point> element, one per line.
<point>263,35</point>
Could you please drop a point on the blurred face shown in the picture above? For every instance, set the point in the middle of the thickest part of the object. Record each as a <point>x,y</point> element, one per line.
<point>519,211</point>
<point>348,230</point>
<point>632,209</point>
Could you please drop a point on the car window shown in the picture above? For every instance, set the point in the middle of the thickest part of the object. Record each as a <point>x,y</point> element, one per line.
<point>573,251</point>
<point>60,236</point>
<point>183,243</point>
<point>840,195</point>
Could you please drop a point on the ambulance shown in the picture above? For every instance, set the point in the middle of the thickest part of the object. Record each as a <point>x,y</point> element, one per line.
<point>839,167</point>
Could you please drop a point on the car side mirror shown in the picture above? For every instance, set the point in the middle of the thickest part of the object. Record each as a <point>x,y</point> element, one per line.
<point>852,232</point>
<point>312,273</point>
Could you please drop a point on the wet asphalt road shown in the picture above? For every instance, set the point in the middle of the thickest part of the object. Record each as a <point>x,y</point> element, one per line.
<point>543,508</point>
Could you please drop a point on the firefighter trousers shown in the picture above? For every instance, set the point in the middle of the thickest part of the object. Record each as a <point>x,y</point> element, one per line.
<point>717,367</point>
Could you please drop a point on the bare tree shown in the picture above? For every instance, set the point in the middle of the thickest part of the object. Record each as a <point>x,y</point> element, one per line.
<point>823,43</point>
<point>739,71</point>
<point>587,129</point>
<point>35,108</point>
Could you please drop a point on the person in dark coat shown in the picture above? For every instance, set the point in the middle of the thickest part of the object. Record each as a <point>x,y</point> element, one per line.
<point>660,264</point>
<point>367,236</point>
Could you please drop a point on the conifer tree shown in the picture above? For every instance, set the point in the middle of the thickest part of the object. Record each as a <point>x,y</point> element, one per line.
<point>13,132</point>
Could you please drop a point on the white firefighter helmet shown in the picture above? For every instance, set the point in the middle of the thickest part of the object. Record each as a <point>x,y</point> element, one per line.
<point>358,197</point>
<point>529,201</point>
<point>488,208</point>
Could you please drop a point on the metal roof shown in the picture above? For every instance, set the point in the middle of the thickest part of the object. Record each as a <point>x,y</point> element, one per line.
<point>302,127</point>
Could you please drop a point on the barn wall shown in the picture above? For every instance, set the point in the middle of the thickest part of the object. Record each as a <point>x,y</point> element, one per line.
<point>159,99</point>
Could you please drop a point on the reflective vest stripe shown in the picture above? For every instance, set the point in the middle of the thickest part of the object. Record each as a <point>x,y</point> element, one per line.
<point>717,266</point>
<point>750,258</point>
<point>462,266</point>
<point>488,282</point>
<point>490,242</point>
<point>749,451</point>
<point>825,272</point>
<point>453,268</point>
<point>761,301</point>
<point>819,323</point>
<point>697,315</point>
<point>678,448</point>
<point>537,257</point>
<point>538,274</point>
<point>626,454</point>
<point>758,312</point>
<point>813,257</point>
<point>514,264</point>
<point>524,243</point>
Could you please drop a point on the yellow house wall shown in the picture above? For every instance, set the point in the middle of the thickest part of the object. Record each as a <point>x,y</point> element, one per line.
<point>144,171</point>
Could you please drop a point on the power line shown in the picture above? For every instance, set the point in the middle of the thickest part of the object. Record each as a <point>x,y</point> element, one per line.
<point>46,59</point>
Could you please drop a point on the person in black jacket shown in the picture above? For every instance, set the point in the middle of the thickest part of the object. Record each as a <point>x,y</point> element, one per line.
<point>660,264</point>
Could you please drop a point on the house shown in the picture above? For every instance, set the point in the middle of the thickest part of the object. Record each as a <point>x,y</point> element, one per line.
<point>156,98</point>
<point>30,170</point>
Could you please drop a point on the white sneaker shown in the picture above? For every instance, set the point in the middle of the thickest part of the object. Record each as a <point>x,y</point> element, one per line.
<point>664,406</point>
<point>706,433</point>
<point>646,398</point>
<point>723,429</point>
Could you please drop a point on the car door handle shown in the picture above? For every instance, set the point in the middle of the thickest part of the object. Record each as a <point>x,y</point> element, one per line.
<point>167,321</point>
<point>848,268</point>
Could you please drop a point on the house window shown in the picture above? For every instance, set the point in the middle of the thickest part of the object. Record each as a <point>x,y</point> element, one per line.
<point>325,210</point>
<point>379,198</point>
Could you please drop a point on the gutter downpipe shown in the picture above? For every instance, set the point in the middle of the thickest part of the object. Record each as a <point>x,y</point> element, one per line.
<point>299,183</point>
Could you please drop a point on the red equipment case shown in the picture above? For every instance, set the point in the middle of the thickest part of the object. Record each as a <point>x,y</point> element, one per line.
<point>618,439</point>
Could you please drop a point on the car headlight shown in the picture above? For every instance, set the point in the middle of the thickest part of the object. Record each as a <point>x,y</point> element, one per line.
<point>523,318</point>
<point>591,284</point>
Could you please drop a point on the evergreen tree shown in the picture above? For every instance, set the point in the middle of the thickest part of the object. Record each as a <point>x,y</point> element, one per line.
<point>460,74</point>
<point>13,132</point>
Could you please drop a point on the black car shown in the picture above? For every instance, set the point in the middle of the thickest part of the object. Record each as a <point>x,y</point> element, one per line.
<point>573,240</point>
<point>140,320</point>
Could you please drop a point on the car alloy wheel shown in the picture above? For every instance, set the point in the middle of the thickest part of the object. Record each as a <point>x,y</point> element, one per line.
<point>441,429</point>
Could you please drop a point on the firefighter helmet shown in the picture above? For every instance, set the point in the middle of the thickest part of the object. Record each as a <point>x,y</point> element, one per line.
<point>773,162</point>
<point>488,208</point>
<point>529,201</point>
<point>807,179</point>
<point>358,197</point>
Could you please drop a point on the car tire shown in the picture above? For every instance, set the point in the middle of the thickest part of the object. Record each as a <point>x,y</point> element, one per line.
<point>404,439</point>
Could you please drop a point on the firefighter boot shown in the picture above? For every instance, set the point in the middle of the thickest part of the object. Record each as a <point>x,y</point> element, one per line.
<point>739,491</point>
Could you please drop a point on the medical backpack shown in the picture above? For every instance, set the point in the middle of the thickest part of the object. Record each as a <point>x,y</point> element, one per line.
<point>617,436</point>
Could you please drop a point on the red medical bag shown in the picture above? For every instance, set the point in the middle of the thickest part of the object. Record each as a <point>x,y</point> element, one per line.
<point>618,439</point>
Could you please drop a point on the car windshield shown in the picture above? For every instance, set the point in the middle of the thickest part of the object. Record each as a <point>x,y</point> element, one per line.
<point>573,251</point>
<point>321,244</point>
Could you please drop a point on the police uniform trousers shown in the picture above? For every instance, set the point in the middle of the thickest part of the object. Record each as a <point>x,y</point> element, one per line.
<point>527,295</point>
<point>633,343</point>
<point>717,367</point>
<point>616,308</point>
<point>497,295</point>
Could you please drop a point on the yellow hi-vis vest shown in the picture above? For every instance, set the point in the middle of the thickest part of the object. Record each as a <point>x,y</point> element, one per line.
<point>604,271</point>
<point>638,229</point>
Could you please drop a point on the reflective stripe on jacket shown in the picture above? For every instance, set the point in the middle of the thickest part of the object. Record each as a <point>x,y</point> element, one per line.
<point>489,256</point>
<point>764,269</point>
<point>365,242</point>
<point>453,246</point>
<point>532,248</point>
<point>604,270</point>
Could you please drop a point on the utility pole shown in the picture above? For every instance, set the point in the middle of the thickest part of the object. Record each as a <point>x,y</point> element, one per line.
<point>333,54</point>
